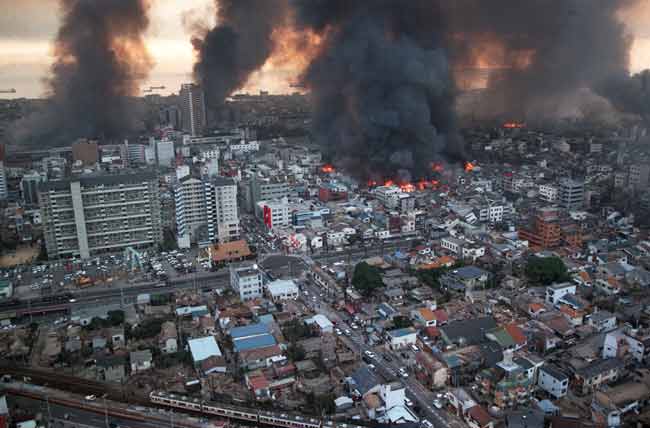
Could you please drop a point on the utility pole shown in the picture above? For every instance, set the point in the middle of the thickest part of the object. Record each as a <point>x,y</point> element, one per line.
<point>105,411</point>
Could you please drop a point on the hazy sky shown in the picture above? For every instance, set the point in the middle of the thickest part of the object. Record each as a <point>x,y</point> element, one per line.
<point>27,28</point>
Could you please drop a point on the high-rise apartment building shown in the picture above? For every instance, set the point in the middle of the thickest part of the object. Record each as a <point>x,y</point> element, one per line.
<point>29,188</point>
<point>221,209</point>
<point>193,115</point>
<point>87,215</point>
<point>571,194</point>
<point>211,202</point>
<point>165,153</point>
<point>189,195</point>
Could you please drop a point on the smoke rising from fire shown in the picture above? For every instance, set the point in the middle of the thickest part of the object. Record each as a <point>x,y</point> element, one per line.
<point>628,93</point>
<point>381,86</point>
<point>546,49</point>
<point>239,44</point>
<point>100,62</point>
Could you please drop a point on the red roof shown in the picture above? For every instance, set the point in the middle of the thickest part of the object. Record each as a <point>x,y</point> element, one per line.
<point>258,382</point>
<point>480,415</point>
<point>441,315</point>
<point>516,333</point>
<point>432,332</point>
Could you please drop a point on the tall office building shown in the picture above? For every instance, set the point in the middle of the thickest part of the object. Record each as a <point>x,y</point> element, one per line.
<point>572,193</point>
<point>193,117</point>
<point>87,215</point>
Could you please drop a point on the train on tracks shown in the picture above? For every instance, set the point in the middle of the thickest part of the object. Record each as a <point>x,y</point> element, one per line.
<point>250,415</point>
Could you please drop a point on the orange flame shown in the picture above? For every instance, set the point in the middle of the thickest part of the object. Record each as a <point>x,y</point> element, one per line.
<point>407,187</point>
<point>469,167</point>
<point>514,125</point>
<point>389,183</point>
<point>327,168</point>
<point>437,167</point>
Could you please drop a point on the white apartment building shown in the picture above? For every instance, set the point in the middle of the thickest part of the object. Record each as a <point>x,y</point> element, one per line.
<point>207,202</point>
<point>282,289</point>
<point>244,147</point>
<point>491,213</point>
<point>388,195</point>
<point>274,213</point>
<point>451,244</point>
<point>189,196</point>
<point>221,209</point>
<point>247,281</point>
<point>553,381</point>
<point>556,291</point>
<point>548,193</point>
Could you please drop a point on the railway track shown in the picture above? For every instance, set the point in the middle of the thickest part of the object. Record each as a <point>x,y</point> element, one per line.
<point>71,383</point>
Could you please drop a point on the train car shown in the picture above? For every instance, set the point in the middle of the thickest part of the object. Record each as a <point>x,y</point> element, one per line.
<point>243,413</point>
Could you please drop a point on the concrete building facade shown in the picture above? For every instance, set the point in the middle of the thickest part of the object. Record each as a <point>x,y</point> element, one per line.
<point>87,215</point>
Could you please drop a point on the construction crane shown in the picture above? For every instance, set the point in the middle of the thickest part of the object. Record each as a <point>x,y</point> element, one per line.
<point>133,258</point>
<point>8,91</point>
<point>153,88</point>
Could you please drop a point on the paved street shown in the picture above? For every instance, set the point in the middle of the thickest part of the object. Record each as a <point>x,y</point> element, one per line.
<point>387,369</point>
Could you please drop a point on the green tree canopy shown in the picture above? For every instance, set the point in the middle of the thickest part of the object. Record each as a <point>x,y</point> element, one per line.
<point>366,279</point>
<point>546,270</point>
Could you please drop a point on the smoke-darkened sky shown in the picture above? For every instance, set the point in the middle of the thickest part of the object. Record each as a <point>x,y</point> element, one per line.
<point>27,28</point>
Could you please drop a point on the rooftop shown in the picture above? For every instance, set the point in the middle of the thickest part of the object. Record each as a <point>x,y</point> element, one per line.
<point>203,348</point>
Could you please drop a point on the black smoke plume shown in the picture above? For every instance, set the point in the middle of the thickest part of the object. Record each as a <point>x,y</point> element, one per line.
<point>546,49</point>
<point>381,85</point>
<point>238,45</point>
<point>628,93</point>
<point>100,62</point>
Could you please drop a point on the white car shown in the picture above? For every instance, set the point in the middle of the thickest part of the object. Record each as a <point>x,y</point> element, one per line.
<point>370,354</point>
<point>338,332</point>
<point>91,397</point>
<point>347,332</point>
<point>403,373</point>
<point>426,423</point>
<point>408,402</point>
<point>437,404</point>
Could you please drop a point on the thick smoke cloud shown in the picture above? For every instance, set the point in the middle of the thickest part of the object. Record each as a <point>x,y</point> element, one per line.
<point>547,49</point>
<point>628,93</point>
<point>238,45</point>
<point>100,61</point>
<point>381,85</point>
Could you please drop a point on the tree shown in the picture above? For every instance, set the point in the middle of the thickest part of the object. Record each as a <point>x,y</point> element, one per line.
<point>400,321</point>
<point>366,279</point>
<point>295,330</point>
<point>116,318</point>
<point>296,352</point>
<point>546,270</point>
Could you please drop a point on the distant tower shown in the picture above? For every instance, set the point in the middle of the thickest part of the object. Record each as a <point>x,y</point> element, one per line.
<point>193,118</point>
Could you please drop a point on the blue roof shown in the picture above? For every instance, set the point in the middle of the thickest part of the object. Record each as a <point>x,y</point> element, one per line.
<point>402,332</point>
<point>249,330</point>
<point>255,342</point>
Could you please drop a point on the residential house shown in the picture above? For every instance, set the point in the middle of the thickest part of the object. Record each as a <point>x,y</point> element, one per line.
<point>597,373</point>
<point>478,417</point>
<point>401,337</point>
<point>167,340</point>
<point>467,332</point>
<point>556,291</point>
<point>553,380</point>
<point>602,321</point>
<point>140,361</point>
<point>110,368</point>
